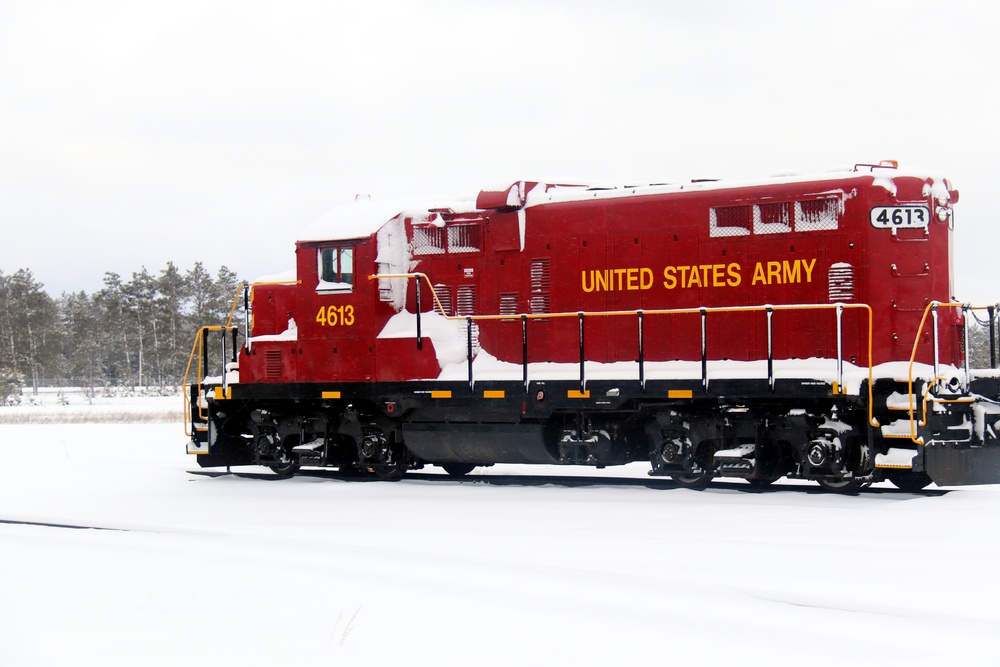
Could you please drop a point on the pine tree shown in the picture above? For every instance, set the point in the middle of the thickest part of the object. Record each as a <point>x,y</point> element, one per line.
<point>114,333</point>
<point>200,292</point>
<point>29,327</point>
<point>82,352</point>
<point>175,334</point>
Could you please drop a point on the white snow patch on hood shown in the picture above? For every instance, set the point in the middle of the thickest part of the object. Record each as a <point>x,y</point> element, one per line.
<point>448,336</point>
<point>289,276</point>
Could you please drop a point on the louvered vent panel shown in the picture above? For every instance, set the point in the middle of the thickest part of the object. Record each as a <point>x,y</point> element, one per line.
<point>444,296</point>
<point>508,303</point>
<point>841,282</point>
<point>466,301</point>
<point>541,284</point>
<point>384,284</point>
<point>272,364</point>
<point>466,306</point>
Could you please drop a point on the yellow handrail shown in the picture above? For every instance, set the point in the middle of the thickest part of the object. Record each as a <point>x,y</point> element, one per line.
<point>197,350</point>
<point>662,311</point>
<point>913,356</point>
<point>236,300</point>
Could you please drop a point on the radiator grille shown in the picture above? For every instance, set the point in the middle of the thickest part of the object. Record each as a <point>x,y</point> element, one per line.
<point>730,221</point>
<point>272,364</point>
<point>772,218</point>
<point>428,241</point>
<point>817,214</point>
<point>463,238</point>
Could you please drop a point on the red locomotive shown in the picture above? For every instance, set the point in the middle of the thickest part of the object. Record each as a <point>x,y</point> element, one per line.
<point>798,326</point>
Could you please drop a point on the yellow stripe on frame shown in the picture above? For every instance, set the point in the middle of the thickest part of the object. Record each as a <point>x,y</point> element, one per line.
<point>331,394</point>
<point>220,394</point>
<point>494,393</point>
<point>680,393</point>
<point>441,393</point>
<point>576,393</point>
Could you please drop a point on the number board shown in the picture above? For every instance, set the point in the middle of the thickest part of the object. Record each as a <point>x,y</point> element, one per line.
<point>900,217</point>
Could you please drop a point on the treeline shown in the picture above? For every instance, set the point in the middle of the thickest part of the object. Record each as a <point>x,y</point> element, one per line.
<point>130,333</point>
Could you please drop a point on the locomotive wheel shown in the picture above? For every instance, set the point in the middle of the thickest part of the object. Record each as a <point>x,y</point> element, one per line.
<point>394,461</point>
<point>846,485</point>
<point>695,481</point>
<point>390,472</point>
<point>458,469</point>
<point>907,480</point>
<point>284,468</point>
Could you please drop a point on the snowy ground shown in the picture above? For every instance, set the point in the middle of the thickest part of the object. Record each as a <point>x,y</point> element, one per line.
<point>182,568</point>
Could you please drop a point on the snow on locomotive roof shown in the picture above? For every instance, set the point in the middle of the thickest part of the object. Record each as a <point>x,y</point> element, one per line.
<point>882,177</point>
<point>365,216</point>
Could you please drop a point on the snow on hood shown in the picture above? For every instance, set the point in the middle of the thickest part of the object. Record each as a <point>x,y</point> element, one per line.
<point>283,277</point>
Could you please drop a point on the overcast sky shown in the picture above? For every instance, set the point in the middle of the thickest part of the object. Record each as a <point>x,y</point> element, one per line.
<point>134,133</point>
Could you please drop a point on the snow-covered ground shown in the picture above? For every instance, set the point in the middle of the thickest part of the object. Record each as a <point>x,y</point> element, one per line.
<point>179,568</point>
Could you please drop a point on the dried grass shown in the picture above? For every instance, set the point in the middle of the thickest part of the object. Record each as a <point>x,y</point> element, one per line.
<point>96,415</point>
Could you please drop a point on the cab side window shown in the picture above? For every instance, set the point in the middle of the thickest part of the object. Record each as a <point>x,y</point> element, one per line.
<point>336,269</point>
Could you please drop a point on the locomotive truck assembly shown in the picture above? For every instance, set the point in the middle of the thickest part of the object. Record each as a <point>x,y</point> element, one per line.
<point>800,327</point>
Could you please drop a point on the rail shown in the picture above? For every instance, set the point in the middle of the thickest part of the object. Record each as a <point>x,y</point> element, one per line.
<point>641,315</point>
<point>927,398</point>
<point>199,351</point>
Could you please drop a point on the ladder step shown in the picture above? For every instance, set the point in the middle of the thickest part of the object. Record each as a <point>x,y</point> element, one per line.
<point>898,401</point>
<point>901,428</point>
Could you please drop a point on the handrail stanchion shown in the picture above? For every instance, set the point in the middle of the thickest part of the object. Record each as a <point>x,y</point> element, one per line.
<point>468,353</point>
<point>524,352</point>
<point>770,349</point>
<point>203,370</point>
<point>583,377</point>
<point>704,348</point>
<point>642,352</point>
<point>840,347</point>
<point>934,323</point>
<point>246,315</point>
<point>965,342</point>
<point>222,359</point>
<point>991,310</point>
<point>420,339</point>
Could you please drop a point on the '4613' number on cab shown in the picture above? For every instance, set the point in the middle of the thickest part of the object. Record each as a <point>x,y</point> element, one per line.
<point>332,316</point>
<point>900,217</point>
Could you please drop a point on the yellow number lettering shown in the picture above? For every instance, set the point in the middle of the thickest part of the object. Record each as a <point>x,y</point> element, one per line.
<point>331,316</point>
